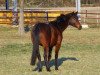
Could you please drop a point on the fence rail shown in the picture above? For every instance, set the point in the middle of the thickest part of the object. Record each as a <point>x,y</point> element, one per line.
<point>31,16</point>
<point>90,18</point>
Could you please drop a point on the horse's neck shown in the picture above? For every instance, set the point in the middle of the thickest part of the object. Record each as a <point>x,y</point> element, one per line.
<point>63,26</point>
<point>60,27</point>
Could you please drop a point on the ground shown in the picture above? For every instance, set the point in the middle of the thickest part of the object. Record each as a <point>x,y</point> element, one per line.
<point>79,53</point>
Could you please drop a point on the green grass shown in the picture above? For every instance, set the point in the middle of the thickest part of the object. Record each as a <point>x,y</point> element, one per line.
<point>79,53</point>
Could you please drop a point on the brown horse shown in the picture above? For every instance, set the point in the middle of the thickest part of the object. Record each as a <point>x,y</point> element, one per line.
<point>50,35</point>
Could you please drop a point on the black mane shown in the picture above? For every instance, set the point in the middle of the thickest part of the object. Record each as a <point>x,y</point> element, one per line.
<point>60,20</point>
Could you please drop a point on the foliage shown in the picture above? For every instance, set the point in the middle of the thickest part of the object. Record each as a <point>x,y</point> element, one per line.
<point>53,3</point>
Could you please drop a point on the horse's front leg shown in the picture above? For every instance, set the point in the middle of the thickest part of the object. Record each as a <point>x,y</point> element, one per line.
<point>56,55</point>
<point>46,54</point>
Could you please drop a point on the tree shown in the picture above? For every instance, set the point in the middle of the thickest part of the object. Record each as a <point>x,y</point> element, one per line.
<point>21,18</point>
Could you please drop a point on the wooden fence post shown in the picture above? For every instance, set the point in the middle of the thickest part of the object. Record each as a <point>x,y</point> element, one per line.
<point>86,13</point>
<point>84,19</point>
<point>47,16</point>
<point>97,19</point>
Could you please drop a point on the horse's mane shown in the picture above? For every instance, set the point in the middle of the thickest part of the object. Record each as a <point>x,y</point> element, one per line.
<point>63,17</point>
<point>66,16</point>
<point>59,20</point>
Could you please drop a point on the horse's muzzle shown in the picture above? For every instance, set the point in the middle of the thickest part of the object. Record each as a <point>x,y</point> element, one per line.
<point>80,28</point>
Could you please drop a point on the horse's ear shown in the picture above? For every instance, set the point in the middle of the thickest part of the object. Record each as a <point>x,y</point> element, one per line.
<point>76,12</point>
<point>73,13</point>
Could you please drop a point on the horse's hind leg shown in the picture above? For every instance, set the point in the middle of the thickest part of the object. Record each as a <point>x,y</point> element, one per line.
<point>46,54</point>
<point>50,51</point>
<point>39,58</point>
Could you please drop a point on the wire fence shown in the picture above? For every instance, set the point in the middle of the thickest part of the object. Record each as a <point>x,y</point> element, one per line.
<point>52,3</point>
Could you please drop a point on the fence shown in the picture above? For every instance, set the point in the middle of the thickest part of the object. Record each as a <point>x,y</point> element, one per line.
<point>32,16</point>
<point>90,18</point>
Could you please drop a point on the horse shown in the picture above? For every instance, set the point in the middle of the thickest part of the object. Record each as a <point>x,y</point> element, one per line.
<point>49,35</point>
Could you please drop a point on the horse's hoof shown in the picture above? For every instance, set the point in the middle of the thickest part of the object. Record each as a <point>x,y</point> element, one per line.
<point>32,64</point>
<point>56,68</point>
<point>40,70</point>
<point>48,70</point>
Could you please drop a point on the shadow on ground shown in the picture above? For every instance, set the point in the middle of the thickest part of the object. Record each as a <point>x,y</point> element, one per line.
<point>60,62</point>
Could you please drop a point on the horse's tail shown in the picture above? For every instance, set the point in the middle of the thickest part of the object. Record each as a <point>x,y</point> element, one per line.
<point>35,34</point>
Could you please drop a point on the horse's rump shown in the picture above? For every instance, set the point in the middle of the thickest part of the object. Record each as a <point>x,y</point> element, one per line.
<point>44,33</point>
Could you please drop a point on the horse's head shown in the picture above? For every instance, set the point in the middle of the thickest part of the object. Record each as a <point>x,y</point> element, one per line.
<point>73,20</point>
<point>69,19</point>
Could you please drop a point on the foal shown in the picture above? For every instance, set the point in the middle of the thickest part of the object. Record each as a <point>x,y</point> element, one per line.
<point>50,35</point>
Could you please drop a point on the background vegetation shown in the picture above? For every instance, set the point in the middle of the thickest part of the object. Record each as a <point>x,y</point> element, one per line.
<point>54,3</point>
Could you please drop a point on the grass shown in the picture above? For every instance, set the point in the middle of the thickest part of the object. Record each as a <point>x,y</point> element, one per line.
<point>79,53</point>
